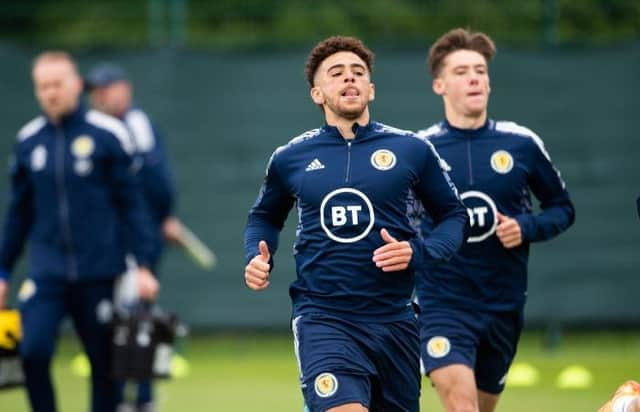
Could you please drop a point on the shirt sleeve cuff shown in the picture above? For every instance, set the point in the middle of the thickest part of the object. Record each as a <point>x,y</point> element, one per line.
<point>525,221</point>
<point>143,262</point>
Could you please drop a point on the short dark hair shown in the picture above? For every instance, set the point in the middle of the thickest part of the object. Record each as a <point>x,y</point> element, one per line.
<point>458,39</point>
<point>333,45</point>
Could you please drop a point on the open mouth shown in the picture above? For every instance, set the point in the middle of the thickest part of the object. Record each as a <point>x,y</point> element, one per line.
<point>350,92</point>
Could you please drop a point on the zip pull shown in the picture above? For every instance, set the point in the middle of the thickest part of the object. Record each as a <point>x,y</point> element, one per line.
<point>348,172</point>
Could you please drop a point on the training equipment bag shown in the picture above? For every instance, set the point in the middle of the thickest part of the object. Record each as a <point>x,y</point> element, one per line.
<point>143,343</point>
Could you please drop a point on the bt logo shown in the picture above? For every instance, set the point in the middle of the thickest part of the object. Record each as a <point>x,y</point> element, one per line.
<point>482,215</point>
<point>346,215</point>
<point>339,214</point>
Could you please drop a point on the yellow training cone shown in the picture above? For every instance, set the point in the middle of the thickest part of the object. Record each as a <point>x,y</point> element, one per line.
<point>80,365</point>
<point>522,375</point>
<point>179,367</point>
<point>574,377</point>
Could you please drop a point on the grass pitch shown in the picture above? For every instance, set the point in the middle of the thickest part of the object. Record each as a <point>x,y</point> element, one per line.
<point>258,373</point>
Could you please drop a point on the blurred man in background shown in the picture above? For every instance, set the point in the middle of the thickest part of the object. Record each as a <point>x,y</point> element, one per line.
<point>111,92</point>
<point>472,306</point>
<point>351,180</point>
<point>72,189</point>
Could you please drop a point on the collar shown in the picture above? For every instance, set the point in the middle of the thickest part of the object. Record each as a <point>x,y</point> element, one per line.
<point>70,118</point>
<point>360,131</point>
<point>468,132</point>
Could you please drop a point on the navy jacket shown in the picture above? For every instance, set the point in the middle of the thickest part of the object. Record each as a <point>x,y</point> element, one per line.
<point>72,187</point>
<point>154,173</point>
<point>345,192</point>
<point>495,168</point>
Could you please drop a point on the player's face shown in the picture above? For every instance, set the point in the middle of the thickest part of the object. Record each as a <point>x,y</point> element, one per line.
<point>343,86</point>
<point>114,99</point>
<point>464,83</point>
<point>57,87</point>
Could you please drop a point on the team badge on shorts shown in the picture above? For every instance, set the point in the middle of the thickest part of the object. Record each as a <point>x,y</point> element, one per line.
<point>438,347</point>
<point>502,162</point>
<point>326,384</point>
<point>82,146</point>
<point>383,159</point>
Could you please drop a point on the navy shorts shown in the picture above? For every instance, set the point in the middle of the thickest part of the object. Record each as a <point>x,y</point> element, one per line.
<point>343,361</point>
<point>484,341</point>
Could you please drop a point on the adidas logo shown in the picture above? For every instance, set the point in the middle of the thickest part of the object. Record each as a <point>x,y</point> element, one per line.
<point>314,165</point>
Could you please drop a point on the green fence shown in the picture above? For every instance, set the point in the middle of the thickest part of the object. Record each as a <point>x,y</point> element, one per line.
<point>223,114</point>
<point>252,24</point>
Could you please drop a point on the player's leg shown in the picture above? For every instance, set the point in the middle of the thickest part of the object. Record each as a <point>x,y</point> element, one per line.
<point>144,399</point>
<point>135,395</point>
<point>41,310</point>
<point>145,393</point>
<point>350,407</point>
<point>91,311</point>
<point>126,298</point>
<point>448,342</point>
<point>456,387</point>
<point>334,373</point>
<point>145,396</point>
<point>397,385</point>
<point>496,351</point>
<point>487,401</point>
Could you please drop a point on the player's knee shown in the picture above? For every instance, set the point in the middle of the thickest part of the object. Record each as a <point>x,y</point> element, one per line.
<point>463,406</point>
<point>461,401</point>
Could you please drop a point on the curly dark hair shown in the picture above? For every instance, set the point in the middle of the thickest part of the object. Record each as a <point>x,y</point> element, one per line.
<point>458,39</point>
<point>333,45</point>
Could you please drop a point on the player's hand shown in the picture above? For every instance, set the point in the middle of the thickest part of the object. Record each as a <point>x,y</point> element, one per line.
<point>4,292</point>
<point>256,273</point>
<point>172,230</point>
<point>394,255</point>
<point>148,285</point>
<point>508,231</point>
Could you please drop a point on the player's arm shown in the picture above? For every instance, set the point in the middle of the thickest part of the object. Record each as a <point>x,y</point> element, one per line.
<point>17,224</point>
<point>133,212</point>
<point>439,197</point>
<point>264,223</point>
<point>557,211</point>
